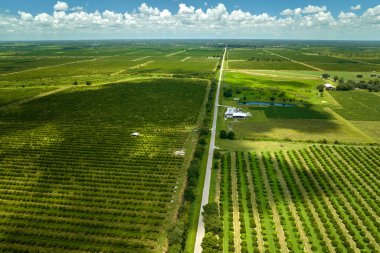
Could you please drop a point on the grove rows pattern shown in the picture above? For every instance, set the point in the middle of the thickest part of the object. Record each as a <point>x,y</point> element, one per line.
<point>318,199</point>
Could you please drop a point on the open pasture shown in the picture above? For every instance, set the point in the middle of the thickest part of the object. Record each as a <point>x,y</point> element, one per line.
<point>317,199</point>
<point>74,180</point>
<point>313,130</point>
<point>263,88</point>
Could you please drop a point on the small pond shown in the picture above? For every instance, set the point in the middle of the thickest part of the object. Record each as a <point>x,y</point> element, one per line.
<point>266,104</point>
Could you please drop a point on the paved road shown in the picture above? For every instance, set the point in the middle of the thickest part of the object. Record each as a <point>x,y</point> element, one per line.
<point>206,186</point>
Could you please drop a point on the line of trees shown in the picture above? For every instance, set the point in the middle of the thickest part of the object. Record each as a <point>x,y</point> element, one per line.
<point>370,85</point>
<point>212,242</point>
<point>343,85</point>
<point>177,233</point>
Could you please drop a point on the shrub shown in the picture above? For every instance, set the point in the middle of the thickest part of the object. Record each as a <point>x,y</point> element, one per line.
<point>202,141</point>
<point>223,134</point>
<point>204,131</point>
<point>88,82</point>
<point>227,93</point>
<point>231,136</point>
<point>189,194</point>
<point>325,75</point>
<point>217,155</point>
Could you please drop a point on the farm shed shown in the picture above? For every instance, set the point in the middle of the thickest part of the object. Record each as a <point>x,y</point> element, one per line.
<point>329,86</point>
<point>234,113</point>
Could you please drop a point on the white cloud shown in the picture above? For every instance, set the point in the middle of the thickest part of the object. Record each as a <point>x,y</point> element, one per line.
<point>310,9</point>
<point>189,22</point>
<point>77,8</point>
<point>147,10</point>
<point>25,16</point>
<point>347,18</point>
<point>61,6</point>
<point>372,16</point>
<point>313,9</point>
<point>184,9</point>
<point>356,7</point>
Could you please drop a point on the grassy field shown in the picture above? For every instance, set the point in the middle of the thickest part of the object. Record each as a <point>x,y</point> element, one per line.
<point>317,199</point>
<point>80,182</point>
<point>261,88</point>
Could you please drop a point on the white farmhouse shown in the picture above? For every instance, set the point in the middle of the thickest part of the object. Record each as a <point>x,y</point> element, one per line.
<point>235,113</point>
<point>329,86</point>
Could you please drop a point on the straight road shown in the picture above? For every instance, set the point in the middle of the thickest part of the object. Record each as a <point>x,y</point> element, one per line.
<point>206,186</point>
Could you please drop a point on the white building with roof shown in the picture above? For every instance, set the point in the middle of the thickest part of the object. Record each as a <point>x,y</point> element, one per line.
<point>329,86</point>
<point>235,113</point>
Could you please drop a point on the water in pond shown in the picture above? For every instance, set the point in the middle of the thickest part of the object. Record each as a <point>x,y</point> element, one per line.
<point>266,104</point>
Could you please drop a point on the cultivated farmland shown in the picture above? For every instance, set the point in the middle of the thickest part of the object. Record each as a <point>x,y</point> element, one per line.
<point>103,146</point>
<point>318,199</point>
<point>73,178</point>
<point>358,105</point>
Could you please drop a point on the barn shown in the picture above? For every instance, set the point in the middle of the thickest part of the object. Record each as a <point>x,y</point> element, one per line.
<point>234,113</point>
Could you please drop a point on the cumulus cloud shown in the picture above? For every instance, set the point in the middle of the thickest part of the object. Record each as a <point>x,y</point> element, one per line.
<point>188,21</point>
<point>61,6</point>
<point>77,8</point>
<point>356,7</point>
<point>347,18</point>
<point>314,9</point>
<point>310,9</point>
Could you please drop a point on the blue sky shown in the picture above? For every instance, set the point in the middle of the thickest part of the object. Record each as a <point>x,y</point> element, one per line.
<point>273,7</point>
<point>125,19</point>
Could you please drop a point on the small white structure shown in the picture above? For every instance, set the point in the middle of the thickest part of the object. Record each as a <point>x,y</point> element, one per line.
<point>329,86</point>
<point>236,99</point>
<point>234,113</point>
<point>135,134</point>
<point>180,152</point>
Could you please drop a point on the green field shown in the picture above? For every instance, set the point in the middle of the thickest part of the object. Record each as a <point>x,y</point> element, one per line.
<point>358,105</point>
<point>319,199</point>
<point>325,62</point>
<point>263,87</point>
<point>60,64</point>
<point>73,178</point>
<point>9,95</point>
<point>333,58</point>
